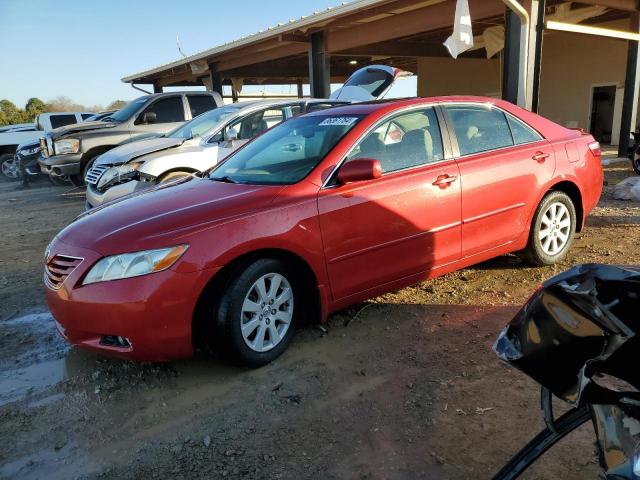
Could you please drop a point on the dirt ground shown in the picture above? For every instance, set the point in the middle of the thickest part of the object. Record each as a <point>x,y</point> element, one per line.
<point>402,387</point>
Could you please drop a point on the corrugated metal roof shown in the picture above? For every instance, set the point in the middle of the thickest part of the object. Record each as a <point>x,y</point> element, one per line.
<point>292,25</point>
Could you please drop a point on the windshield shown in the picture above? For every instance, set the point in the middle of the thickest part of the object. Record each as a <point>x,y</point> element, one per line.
<point>127,111</point>
<point>287,153</point>
<point>203,123</point>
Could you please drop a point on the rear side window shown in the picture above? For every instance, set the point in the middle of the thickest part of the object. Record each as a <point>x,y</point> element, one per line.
<point>408,140</point>
<point>62,120</point>
<point>479,128</point>
<point>167,110</point>
<point>200,104</point>
<point>522,133</point>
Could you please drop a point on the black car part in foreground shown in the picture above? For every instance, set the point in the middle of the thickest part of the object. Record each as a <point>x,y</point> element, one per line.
<point>577,337</point>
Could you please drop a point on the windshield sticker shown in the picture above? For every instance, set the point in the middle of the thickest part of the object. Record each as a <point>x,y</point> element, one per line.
<point>340,121</point>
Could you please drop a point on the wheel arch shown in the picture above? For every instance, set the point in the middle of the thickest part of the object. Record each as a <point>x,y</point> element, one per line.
<point>573,192</point>
<point>211,293</point>
<point>94,152</point>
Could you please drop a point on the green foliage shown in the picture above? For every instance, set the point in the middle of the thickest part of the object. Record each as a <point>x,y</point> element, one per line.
<point>116,105</point>
<point>10,114</point>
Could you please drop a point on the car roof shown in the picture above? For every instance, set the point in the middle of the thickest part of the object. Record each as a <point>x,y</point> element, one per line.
<point>365,108</point>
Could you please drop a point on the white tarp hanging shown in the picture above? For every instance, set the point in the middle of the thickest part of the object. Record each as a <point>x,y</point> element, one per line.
<point>462,38</point>
<point>492,39</point>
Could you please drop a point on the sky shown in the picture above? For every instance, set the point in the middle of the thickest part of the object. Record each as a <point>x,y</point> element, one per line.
<point>82,48</point>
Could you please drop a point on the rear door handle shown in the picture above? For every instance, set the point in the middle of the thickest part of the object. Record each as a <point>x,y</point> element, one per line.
<point>540,156</point>
<point>444,180</point>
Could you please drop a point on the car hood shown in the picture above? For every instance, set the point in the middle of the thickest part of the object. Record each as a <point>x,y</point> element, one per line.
<point>129,151</point>
<point>165,215</point>
<point>81,127</point>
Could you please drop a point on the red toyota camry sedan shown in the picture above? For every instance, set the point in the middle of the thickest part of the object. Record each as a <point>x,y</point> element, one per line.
<point>320,212</point>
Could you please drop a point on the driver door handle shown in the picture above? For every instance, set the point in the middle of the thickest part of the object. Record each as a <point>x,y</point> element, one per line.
<point>444,180</point>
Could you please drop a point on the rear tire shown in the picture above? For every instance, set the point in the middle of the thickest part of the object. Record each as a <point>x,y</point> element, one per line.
<point>552,230</point>
<point>635,161</point>
<point>257,313</point>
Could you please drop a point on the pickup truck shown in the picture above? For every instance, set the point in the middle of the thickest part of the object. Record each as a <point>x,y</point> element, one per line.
<point>70,151</point>
<point>13,135</point>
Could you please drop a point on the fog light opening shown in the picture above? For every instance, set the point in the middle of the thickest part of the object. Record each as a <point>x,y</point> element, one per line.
<point>115,341</point>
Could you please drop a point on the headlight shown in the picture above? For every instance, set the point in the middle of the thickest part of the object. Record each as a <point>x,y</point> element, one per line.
<point>119,173</point>
<point>66,145</point>
<point>134,264</point>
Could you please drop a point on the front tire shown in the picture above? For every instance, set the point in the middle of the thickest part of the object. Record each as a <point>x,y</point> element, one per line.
<point>552,230</point>
<point>635,161</point>
<point>173,176</point>
<point>256,316</point>
<point>10,170</point>
<point>78,180</point>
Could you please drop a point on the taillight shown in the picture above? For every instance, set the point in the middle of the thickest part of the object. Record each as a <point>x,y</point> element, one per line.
<point>595,149</point>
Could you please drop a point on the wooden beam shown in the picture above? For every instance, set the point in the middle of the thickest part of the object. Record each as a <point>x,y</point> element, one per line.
<point>426,19</point>
<point>626,5</point>
<point>291,37</point>
<point>398,49</point>
<point>286,50</point>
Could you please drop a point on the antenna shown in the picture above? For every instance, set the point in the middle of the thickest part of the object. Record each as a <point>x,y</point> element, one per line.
<point>179,47</point>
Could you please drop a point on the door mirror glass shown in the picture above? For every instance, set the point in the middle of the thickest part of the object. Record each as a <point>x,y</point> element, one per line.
<point>360,170</point>
<point>231,135</point>
<point>149,118</point>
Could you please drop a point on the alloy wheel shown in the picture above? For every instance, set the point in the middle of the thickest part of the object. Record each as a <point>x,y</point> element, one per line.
<point>555,229</point>
<point>266,312</point>
<point>10,168</point>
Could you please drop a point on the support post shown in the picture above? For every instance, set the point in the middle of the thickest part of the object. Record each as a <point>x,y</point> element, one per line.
<point>535,57</point>
<point>234,94</point>
<point>319,67</point>
<point>511,64</point>
<point>215,79</point>
<point>300,91</point>
<point>631,89</point>
<point>157,88</point>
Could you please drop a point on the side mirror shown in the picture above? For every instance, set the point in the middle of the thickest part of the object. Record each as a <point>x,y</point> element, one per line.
<point>231,135</point>
<point>360,170</point>
<point>149,117</point>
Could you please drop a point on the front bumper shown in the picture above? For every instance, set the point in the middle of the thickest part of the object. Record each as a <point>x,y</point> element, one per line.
<point>96,198</point>
<point>61,165</point>
<point>153,312</point>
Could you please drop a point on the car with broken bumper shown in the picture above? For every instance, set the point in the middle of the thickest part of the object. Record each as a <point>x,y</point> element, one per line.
<point>318,213</point>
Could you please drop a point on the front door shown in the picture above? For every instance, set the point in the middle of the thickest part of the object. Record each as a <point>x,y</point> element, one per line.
<point>503,165</point>
<point>404,223</point>
<point>168,114</point>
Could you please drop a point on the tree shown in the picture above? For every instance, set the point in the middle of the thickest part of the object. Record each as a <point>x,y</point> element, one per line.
<point>10,114</point>
<point>34,107</point>
<point>116,105</point>
<point>64,104</point>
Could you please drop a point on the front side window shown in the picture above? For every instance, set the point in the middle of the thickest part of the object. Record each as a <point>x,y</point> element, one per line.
<point>58,121</point>
<point>287,153</point>
<point>87,115</point>
<point>479,128</point>
<point>167,110</point>
<point>408,140</point>
<point>127,111</point>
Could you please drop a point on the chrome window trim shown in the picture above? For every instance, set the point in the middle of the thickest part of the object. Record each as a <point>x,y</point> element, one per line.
<point>384,119</point>
<point>491,106</point>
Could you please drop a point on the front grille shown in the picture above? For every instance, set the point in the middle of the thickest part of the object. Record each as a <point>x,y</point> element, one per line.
<point>94,174</point>
<point>58,268</point>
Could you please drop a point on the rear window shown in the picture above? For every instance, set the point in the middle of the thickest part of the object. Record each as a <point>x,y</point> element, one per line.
<point>479,128</point>
<point>200,104</point>
<point>58,121</point>
<point>522,133</point>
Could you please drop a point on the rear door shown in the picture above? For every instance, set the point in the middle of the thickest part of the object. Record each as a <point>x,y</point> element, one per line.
<point>369,83</point>
<point>405,223</point>
<point>503,165</point>
<point>199,104</point>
